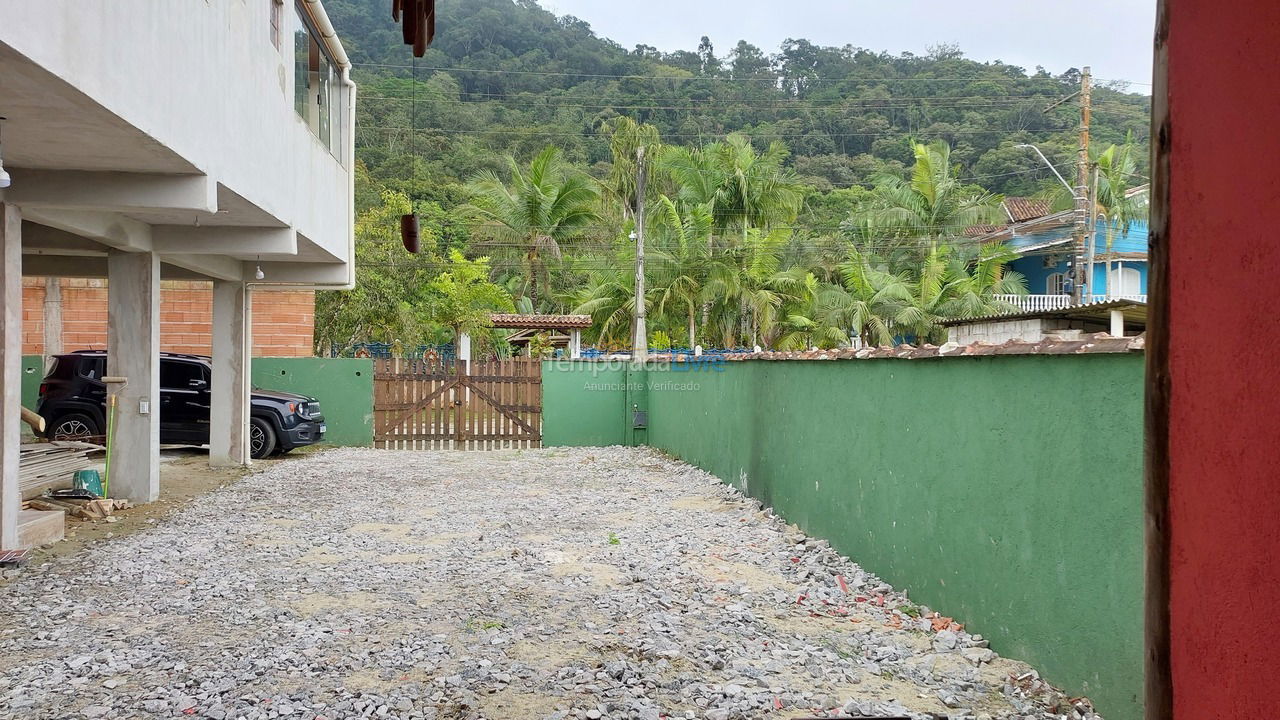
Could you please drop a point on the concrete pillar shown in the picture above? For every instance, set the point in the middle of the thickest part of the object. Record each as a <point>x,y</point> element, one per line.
<point>1117,323</point>
<point>52,318</point>
<point>10,371</point>
<point>575,344</point>
<point>464,350</point>
<point>133,351</point>
<point>229,402</point>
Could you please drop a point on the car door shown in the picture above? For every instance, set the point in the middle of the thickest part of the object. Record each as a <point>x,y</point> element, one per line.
<point>184,408</point>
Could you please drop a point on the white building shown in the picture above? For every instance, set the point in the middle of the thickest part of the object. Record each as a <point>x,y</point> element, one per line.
<point>188,139</point>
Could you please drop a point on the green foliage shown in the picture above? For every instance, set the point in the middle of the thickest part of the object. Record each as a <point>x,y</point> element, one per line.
<point>461,297</point>
<point>795,199</point>
<point>542,207</point>
<point>540,346</point>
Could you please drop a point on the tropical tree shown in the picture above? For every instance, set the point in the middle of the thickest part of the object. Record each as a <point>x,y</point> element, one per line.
<point>386,303</point>
<point>626,137</point>
<point>532,215</point>
<point>462,297</point>
<point>931,208</point>
<point>1120,204</point>
<point>746,189</point>
<point>681,262</point>
<point>866,301</point>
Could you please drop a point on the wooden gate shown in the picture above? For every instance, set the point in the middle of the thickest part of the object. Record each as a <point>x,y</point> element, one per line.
<point>438,404</point>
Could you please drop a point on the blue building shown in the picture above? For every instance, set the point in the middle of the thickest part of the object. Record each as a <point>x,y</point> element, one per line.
<point>1046,242</point>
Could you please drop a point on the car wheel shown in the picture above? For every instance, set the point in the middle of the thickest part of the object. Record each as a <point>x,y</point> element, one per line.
<point>74,426</point>
<point>262,438</point>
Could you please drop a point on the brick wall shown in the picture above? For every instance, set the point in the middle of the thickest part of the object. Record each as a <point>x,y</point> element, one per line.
<point>282,321</point>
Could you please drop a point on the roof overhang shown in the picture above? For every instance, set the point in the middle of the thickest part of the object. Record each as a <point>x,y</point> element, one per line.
<point>1134,312</point>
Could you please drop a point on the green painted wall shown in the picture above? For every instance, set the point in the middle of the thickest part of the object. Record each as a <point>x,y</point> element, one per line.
<point>32,374</point>
<point>976,483</point>
<point>344,387</point>
<point>582,403</point>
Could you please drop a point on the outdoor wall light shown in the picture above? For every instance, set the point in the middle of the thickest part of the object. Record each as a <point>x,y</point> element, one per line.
<point>5,180</point>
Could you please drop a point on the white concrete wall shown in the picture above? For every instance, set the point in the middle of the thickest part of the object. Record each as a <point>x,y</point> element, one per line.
<point>203,78</point>
<point>997,332</point>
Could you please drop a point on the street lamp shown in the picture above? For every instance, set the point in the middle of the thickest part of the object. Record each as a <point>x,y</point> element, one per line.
<point>1061,179</point>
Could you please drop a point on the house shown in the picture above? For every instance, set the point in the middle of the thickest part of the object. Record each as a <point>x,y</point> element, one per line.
<point>150,141</point>
<point>1045,243</point>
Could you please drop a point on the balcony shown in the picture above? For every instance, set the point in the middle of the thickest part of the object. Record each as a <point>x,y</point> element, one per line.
<point>1041,303</point>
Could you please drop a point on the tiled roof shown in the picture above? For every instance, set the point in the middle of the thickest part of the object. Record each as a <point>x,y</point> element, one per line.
<point>1022,209</point>
<point>540,322</point>
<point>1135,311</point>
<point>1087,344</point>
<point>980,230</point>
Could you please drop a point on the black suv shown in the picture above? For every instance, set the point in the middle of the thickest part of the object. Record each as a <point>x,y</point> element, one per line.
<point>73,401</point>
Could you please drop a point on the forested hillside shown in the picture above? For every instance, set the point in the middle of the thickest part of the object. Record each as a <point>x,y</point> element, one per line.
<point>508,78</point>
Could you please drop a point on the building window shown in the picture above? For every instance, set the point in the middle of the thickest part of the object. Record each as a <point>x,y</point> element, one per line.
<point>1055,284</point>
<point>315,84</point>
<point>277,19</point>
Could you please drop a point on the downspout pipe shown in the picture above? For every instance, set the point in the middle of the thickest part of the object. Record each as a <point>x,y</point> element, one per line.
<point>330,36</point>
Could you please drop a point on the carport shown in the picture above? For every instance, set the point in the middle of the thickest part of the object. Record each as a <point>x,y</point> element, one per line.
<point>138,177</point>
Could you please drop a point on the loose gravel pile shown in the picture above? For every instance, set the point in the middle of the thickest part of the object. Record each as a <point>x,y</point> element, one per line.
<point>559,583</point>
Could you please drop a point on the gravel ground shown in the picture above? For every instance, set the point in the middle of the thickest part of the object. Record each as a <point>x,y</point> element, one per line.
<point>560,583</point>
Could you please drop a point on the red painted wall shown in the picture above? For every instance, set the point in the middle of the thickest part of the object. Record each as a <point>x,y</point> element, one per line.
<point>1224,357</point>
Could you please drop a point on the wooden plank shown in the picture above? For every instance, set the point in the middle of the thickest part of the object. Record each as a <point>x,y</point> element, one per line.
<point>514,417</point>
<point>398,419</point>
<point>1157,638</point>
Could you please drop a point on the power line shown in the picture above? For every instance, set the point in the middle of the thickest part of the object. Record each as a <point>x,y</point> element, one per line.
<point>763,136</point>
<point>894,103</point>
<point>772,78</point>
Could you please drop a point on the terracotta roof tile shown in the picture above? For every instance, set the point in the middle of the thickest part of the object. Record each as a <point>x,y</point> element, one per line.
<point>1022,209</point>
<point>1087,344</point>
<point>540,322</point>
<point>980,230</point>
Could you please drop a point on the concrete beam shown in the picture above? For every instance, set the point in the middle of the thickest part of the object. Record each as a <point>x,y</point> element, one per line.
<point>287,273</point>
<point>111,229</point>
<point>112,191</point>
<point>10,371</point>
<point>229,400</point>
<point>36,265</point>
<point>133,351</point>
<point>210,266</point>
<point>224,240</point>
<point>40,239</point>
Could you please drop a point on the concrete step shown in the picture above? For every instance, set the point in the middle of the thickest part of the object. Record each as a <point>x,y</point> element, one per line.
<point>37,527</point>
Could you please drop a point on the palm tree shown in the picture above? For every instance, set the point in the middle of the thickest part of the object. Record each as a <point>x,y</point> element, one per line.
<point>626,136</point>
<point>867,301</point>
<point>540,209</point>
<point>1118,201</point>
<point>746,189</point>
<point>973,287</point>
<point>608,296</point>
<point>931,208</point>
<point>680,262</point>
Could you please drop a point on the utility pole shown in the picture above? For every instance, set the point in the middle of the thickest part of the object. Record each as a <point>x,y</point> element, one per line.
<point>1082,184</point>
<point>1093,231</point>
<point>640,344</point>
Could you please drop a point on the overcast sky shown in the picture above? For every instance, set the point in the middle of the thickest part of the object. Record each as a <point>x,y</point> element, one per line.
<point>1116,42</point>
